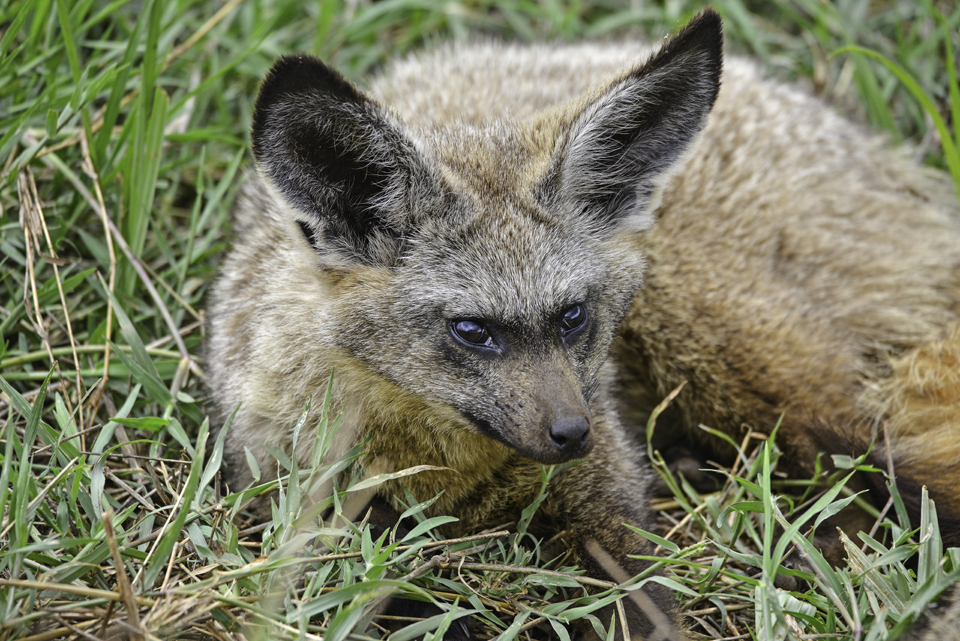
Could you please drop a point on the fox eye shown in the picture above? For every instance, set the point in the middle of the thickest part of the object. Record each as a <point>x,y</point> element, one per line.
<point>573,319</point>
<point>472,332</point>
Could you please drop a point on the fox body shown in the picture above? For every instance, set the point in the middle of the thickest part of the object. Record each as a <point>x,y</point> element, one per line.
<point>463,270</point>
<point>801,268</point>
<point>468,242</point>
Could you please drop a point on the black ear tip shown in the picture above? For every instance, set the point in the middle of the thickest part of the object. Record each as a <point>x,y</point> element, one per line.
<point>296,80</point>
<point>280,78</point>
<point>301,74</point>
<point>707,21</point>
<point>294,61</point>
<point>704,33</point>
<point>706,26</point>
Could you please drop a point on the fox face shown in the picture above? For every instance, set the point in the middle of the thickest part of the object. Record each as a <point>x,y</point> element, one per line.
<point>482,268</point>
<point>504,313</point>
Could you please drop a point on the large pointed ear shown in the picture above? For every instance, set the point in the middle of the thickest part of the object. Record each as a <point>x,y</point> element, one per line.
<point>618,150</point>
<point>341,163</point>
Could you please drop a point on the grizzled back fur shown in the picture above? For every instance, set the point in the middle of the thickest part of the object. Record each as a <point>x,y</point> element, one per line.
<point>801,267</point>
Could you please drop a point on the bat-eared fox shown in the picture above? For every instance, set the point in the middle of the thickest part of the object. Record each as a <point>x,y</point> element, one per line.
<point>509,254</point>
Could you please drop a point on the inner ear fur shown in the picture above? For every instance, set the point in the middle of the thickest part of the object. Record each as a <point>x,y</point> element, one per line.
<point>619,149</point>
<point>338,159</point>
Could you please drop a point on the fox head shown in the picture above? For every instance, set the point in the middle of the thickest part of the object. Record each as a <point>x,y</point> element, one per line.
<point>483,267</point>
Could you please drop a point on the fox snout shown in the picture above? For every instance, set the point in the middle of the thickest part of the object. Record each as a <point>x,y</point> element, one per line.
<point>571,436</point>
<point>560,425</point>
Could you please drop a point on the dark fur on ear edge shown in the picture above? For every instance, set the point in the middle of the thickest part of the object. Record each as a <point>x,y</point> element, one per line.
<point>622,147</point>
<point>337,158</point>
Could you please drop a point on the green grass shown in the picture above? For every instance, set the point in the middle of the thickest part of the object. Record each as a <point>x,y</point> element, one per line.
<point>122,140</point>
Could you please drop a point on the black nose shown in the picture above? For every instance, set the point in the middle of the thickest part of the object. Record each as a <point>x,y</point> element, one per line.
<point>571,433</point>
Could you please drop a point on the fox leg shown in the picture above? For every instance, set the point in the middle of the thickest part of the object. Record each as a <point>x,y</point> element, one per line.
<point>596,500</point>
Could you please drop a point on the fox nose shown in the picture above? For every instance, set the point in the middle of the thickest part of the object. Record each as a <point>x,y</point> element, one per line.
<point>571,433</point>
